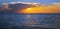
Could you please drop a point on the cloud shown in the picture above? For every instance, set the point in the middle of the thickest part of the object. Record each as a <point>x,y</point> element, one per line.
<point>21,3</point>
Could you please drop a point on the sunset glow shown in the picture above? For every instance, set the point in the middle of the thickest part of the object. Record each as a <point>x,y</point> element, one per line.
<point>41,9</point>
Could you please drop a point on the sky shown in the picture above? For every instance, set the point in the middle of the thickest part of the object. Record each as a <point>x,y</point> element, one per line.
<point>40,9</point>
<point>40,1</point>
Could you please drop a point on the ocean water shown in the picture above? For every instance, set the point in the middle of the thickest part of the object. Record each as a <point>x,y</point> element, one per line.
<point>29,21</point>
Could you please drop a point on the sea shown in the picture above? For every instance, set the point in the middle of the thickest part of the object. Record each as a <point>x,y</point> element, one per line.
<point>29,21</point>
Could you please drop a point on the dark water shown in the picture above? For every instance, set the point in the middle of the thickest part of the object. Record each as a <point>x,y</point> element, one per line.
<point>29,21</point>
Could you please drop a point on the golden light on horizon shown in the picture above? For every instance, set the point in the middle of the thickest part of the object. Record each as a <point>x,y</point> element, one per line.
<point>41,9</point>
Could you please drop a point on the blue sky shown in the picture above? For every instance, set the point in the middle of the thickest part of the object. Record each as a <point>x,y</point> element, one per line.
<point>40,1</point>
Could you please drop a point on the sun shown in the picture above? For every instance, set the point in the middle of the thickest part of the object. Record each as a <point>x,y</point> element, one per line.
<point>28,9</point>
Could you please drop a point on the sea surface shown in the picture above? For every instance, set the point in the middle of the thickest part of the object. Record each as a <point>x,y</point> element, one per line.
<point>29,21</point>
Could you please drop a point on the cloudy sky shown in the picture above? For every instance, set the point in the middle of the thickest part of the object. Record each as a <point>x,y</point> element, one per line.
<point>47,9</point>
<point>40,1</point>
